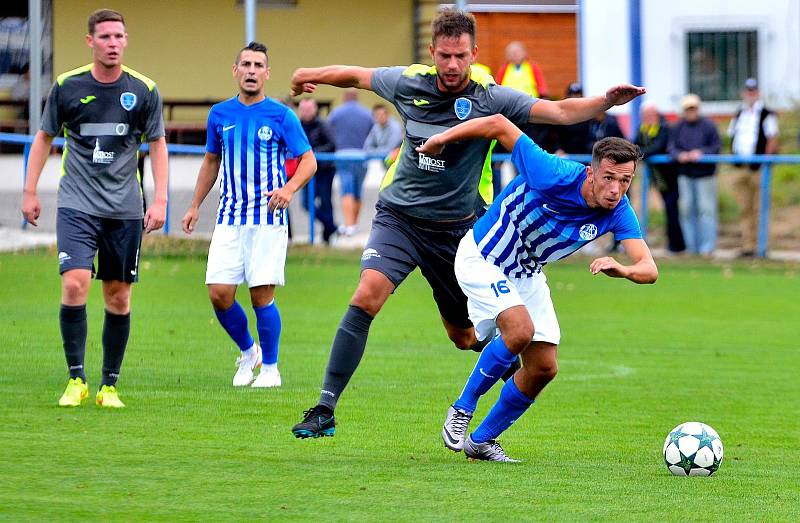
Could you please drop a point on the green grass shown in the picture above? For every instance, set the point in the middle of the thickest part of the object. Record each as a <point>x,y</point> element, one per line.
<point>713,343</point>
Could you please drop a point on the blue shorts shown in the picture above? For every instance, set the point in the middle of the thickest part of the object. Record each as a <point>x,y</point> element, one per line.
<point>81,237</point>
<point>351,177</point>
<point>399,243</point>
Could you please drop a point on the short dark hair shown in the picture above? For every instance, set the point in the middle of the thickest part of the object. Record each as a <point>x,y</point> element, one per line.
<point>379,106</point>
<point>618,150</point>
<point>452,23</point>
<point>104,15</point>
<point>258,47</point>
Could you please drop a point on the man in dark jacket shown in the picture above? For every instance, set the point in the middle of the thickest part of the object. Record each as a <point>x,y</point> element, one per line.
<point>652,139</point>
<point>691,138</point>
<point>321,140</point>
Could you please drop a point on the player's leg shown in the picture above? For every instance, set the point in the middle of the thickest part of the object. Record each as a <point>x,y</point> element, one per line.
<point>539,368</point>
<point>268,325</point>
<point>76,235</point>
<point>224,272</point>
<point>118,268</point>
<point>386,261</point>
<point>492,302</point>
<point>264,264</point>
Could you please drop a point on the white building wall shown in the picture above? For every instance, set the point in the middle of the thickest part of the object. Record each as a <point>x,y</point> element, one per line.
<point>606,45</point>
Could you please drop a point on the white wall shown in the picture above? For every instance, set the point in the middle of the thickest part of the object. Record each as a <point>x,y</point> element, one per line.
<point>664,25</point>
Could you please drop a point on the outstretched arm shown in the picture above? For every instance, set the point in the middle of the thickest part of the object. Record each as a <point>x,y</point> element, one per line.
<point>495,127</point>
<point>643,270</point>
<point>305,80</point>
<point>574,110</point>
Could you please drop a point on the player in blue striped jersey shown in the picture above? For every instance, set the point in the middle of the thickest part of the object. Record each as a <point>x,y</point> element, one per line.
<point>249,136</point>
<point>552,209</point>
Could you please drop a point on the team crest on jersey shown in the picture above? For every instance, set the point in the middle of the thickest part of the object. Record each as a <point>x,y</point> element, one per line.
<point>463,107</point>
<point>265,133</point>
<point>127,100</point>
<point>588,232</point>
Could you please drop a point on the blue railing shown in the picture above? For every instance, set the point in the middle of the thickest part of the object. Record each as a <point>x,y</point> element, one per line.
<point>767,161</point>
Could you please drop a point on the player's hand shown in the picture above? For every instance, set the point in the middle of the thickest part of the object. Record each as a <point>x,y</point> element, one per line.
<point>608,266</point>
<point>279,198</point>
<point>189,220</point>
<point>622,94</point>
<point>31,208</point>
<point>299,85</point>
<point>155,217</point>
<point>432,146</point>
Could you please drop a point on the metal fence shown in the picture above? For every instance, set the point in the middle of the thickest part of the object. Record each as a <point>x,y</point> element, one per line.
<point>767,162</point>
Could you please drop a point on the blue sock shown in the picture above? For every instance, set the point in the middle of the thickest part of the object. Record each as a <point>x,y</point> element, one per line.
<point>492,363</point>
<point>268,323</point>
<point>234,321</point>
<point>511,404</point>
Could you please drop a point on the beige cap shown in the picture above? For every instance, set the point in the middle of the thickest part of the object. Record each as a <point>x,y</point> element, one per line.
<point>689,101</point>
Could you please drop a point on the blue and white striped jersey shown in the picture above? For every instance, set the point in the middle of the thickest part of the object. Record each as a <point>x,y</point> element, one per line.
<point>253,141</point>
<point>542,217</point>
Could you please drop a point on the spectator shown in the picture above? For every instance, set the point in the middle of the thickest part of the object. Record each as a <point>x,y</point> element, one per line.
<point>691,138</point>
<point>754,130</point>
<point>521,74</point>
<point>579,138</point>
<point>652,139</point>
<point>386,134</point>
<point>321,140</point>
<point>351,123</point>
<point>576,138</point>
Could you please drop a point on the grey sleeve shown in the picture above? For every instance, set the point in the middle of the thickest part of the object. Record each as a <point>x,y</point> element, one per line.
<point>51,123</point>
<point>513,104</point>
<point>384,81</point>
<point>153,117</point>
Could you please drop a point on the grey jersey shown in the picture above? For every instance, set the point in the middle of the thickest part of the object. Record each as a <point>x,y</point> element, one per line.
<point>444,187</point>
<point>104,124</point>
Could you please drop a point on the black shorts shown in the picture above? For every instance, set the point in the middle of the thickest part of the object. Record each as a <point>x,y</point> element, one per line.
<point>116,243</point>
<point>399,243</point>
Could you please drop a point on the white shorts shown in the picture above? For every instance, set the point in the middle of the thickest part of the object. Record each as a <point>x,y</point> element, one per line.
<point>489,292</point>
<point>255,253</point>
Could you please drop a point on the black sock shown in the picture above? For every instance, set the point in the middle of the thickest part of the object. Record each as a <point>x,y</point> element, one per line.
<point>116,329</point>
<point>72,319</point>
<point>512,369</point>
<point>346,352</point>
<point>480,344</point>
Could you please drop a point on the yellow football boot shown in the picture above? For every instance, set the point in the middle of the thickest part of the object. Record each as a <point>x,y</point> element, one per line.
<point>107,397</point>
<point>75,393</point>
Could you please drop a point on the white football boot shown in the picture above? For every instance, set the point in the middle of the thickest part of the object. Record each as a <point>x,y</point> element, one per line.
<point>268,377</point>
<point>244,374</point>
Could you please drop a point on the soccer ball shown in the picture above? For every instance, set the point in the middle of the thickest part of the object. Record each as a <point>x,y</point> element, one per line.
<point>693,449</point>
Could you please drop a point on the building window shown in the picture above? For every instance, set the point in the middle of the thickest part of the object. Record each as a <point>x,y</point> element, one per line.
<point>719,62</point>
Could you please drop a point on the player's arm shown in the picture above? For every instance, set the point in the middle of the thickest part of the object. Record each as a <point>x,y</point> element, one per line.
<point>643,269</point>
<point>209,170</point>
<point>495,127</point>
<point>40,149</point>
<point>305,80</point>
<point>574,110</point>
<point>156,214</point>
<point>306,167</point>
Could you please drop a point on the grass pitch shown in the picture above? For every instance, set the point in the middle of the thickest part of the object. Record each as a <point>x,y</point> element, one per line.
<point>712,343</point>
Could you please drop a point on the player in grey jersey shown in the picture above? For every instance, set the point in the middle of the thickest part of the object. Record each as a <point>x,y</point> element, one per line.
<point>106,111</point>
<point>426,204</point>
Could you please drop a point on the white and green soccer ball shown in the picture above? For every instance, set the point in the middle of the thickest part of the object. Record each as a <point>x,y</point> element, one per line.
<point>693,449</point>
